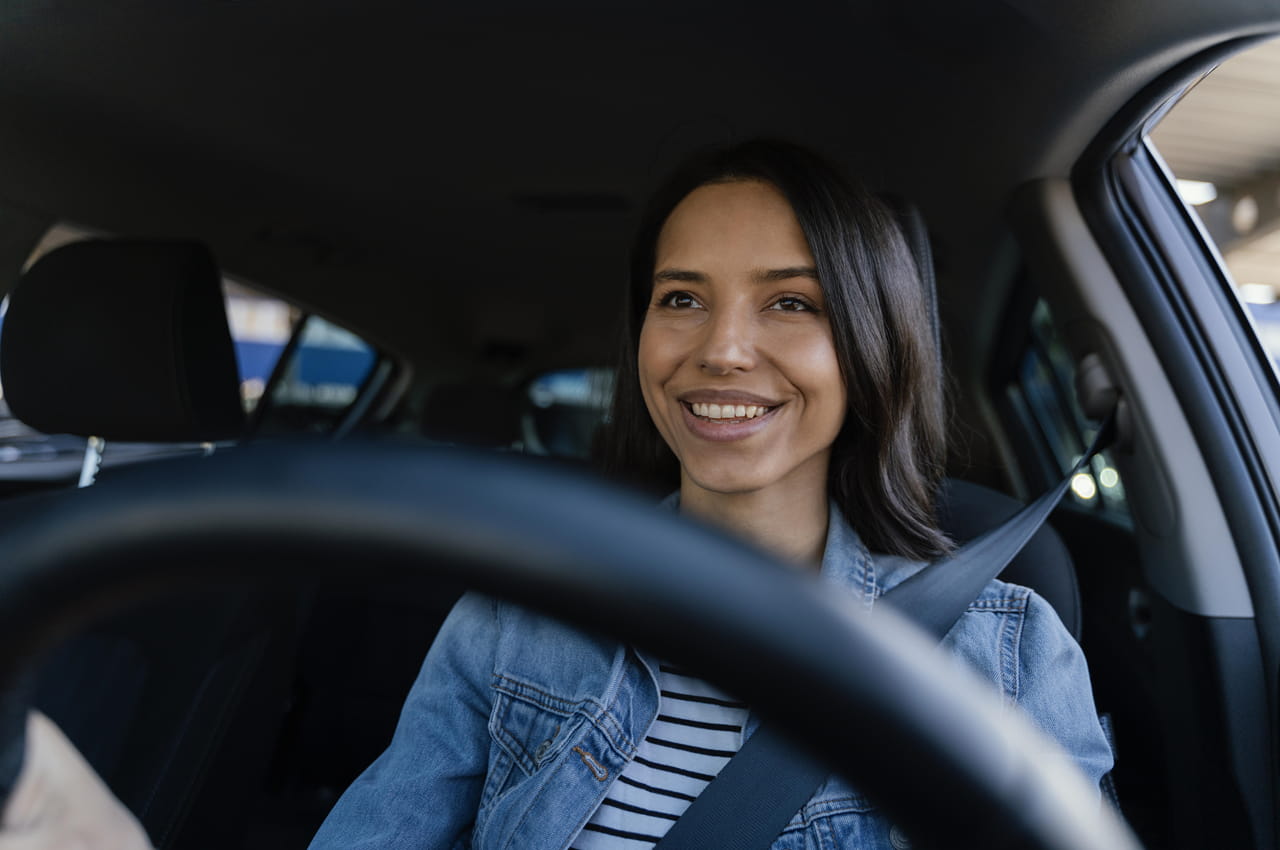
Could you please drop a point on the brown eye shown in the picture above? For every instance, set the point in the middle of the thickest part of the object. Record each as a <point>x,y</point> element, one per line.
<point>791,304</point>
<point>679,300</point>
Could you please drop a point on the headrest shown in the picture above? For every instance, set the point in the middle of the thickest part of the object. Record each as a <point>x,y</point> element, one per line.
<point>124,340</point>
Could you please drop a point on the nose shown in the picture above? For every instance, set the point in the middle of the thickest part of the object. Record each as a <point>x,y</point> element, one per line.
<point>728,344</point>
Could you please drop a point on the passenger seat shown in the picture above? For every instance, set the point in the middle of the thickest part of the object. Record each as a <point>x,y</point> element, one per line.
<point>176,705</point>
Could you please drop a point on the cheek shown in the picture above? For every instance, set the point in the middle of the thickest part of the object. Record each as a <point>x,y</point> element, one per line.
<point>660,351</point>
<point>645,357</point>
<point>652,360</point>
<point>823,381</point>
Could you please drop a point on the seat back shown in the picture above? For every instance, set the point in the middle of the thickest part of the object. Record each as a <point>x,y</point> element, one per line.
<point>128,340</point>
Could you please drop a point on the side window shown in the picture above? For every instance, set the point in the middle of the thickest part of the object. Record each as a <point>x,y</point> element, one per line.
<point>316,380</point>
<point>1226,164</point>
<point>261,327</point>
<point>1040,396</point>
<point>565,408</point>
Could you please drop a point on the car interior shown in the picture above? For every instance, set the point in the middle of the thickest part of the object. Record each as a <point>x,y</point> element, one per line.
<point>229,226</point>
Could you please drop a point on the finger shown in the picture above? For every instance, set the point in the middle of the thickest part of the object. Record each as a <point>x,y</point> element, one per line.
<point>41,839</point>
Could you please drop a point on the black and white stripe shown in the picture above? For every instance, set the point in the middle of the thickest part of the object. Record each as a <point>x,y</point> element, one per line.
<point>697,731</point>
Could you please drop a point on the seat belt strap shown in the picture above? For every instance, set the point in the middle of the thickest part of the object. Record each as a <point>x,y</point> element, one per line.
<point>751,800</point>
<point>937,596</point>
<point>761,788</point>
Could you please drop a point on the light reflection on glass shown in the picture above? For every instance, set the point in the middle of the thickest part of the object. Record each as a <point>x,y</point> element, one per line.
<point>1082,485</point>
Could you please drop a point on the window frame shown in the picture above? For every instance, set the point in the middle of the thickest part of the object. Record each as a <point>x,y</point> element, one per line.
<point>376,384</point>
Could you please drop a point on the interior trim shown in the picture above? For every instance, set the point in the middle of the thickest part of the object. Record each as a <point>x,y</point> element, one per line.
<point>1195,566</point>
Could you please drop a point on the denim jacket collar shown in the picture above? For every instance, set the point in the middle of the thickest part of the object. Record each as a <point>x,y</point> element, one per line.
<point>846,561</point>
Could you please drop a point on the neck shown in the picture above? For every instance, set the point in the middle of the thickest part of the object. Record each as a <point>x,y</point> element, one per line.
<point>791,525</point>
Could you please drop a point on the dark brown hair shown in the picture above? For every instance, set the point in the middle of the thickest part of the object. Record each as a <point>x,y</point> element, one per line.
<point>888,459</point>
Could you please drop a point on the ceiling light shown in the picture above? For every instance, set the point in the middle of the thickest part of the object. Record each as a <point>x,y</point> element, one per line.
<point>1258,293</point>
<point>1244,215</point>
<point>1197,191</point>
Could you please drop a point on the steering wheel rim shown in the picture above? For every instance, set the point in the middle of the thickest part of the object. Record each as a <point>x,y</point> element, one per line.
<point>577,550</point>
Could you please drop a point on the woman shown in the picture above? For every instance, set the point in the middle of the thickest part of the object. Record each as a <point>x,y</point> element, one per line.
<point>779,370</point>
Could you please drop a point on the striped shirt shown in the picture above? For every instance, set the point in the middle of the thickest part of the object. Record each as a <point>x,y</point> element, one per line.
<point>697,731</point>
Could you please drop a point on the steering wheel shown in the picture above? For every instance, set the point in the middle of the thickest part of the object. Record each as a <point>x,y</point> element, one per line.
<point>569,546</point>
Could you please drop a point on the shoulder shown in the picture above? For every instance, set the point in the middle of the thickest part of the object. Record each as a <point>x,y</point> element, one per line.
<point>520,650</point>
<point>1006,598</point>
<point>888,571</point>
<point>508,624</point>
<point>1016,611</point>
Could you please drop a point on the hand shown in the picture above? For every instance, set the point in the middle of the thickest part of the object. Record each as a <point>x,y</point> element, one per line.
<point>59,803</point>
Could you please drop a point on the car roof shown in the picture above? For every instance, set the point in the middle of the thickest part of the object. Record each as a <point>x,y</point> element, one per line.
<point>459,183</point>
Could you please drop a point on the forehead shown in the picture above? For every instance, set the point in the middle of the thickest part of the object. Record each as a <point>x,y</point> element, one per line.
<point>747,221</point>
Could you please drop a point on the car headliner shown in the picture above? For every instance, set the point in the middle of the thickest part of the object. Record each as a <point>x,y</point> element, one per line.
<point>459,184</point>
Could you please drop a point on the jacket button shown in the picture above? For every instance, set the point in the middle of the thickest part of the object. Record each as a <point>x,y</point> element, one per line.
<point>541,752</point>
<point>898,839</point>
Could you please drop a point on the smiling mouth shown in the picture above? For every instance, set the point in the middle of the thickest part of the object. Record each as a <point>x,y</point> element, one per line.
<point>726,413</point>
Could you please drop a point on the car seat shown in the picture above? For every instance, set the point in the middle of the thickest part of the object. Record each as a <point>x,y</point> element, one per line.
<point>174,704</point>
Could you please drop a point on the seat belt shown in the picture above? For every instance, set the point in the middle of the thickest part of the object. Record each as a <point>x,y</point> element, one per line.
<point>936,597</point>
<point>762,787</point>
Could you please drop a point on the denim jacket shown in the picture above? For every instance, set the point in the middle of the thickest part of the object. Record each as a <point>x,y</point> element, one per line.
<point>518,724</point>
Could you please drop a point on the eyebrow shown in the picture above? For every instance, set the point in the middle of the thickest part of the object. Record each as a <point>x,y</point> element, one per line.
<point>769,276</point>
<point>774,275</point>
<point>680,276</point>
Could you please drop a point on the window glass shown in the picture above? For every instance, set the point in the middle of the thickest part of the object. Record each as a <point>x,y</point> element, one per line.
<point>1221,142</point>
<point>565,410</point>
<point>1041,396</point>
<point>320,380</point>
<point>260,328</point>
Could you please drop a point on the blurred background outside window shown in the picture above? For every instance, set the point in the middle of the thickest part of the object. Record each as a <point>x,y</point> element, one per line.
<point>1222,144</point>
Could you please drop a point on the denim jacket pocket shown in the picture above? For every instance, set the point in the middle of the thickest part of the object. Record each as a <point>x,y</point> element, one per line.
<point>530,724</point>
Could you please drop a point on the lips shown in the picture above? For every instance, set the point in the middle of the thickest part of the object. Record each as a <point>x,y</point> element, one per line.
<point>734,397</point>
<point>724,421</point>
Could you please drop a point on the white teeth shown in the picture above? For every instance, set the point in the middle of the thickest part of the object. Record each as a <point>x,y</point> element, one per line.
<point>728,411</point>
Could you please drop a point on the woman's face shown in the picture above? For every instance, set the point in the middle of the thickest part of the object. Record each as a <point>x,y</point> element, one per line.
<point>737,363</point>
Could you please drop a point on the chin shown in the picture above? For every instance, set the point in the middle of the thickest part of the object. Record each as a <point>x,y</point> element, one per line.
<point>726,483</point>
